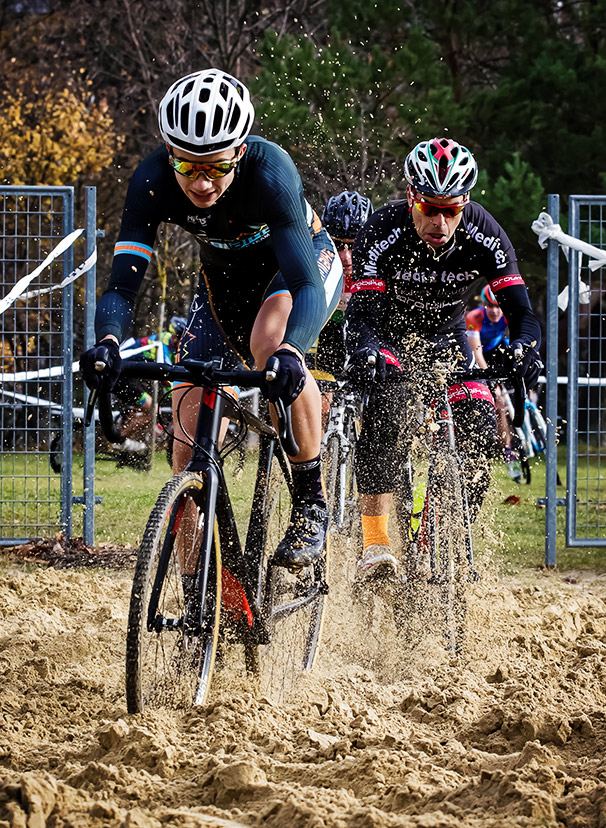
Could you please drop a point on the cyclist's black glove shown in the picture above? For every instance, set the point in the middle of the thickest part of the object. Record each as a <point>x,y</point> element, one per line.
<point>107,351</point>
<point>531,365</point>
<point>525,358</point>
<point>290,377</point>
<point>365,365</point>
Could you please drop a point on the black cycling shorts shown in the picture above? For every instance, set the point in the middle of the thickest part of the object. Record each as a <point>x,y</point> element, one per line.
<point>221,318</point>
<point>382,449</point>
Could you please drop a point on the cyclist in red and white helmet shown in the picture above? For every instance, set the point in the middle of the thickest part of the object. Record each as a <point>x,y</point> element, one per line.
<point>270,276</point>
<point>416,264</point>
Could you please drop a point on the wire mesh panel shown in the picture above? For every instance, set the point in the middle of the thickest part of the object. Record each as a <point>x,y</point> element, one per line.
<point>586,496</point>
<point>36,352</point>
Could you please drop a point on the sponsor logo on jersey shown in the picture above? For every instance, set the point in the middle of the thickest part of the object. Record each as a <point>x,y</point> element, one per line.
<point>506,281</point>
<point>325,260</point>
<point>380,246</point>
<point>493,243</point>
<point>414,302</point>
<point>426,277</point>
<point>368,284</point>
<point>197,220</point>
<point>236,244</point>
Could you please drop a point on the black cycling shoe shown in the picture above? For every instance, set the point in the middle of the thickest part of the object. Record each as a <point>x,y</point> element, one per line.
<point>304,541</point>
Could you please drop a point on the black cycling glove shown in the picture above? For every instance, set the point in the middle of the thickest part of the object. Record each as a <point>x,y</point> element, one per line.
<point>365,365</point>
<point>290,376</point>
<point>108,352</point>
<point>523,357</point>
<point>531,366</point>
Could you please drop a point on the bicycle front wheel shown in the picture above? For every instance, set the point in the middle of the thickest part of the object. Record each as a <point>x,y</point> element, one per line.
<point>445,533</point>
<point>292,605</point>
<point>332,481</point>
<point>172,635</point>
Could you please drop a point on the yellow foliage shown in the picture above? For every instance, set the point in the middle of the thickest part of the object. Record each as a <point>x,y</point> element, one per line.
<point>53,136</point>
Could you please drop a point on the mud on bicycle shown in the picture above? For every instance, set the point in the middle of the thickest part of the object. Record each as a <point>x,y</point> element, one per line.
<point>432,502</point>
<point>198,589</point>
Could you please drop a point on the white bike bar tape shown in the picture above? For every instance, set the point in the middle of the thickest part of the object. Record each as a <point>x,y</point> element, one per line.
<point>22,284</point>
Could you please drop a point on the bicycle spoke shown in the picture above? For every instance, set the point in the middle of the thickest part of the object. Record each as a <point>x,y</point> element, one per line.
<point>292,605</point>
<point>171,641</point>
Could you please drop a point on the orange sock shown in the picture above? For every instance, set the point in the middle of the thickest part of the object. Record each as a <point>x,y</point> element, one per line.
<point>374,530</point>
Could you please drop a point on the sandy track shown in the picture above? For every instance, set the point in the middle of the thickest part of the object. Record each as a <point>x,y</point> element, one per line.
<point>385,733</point>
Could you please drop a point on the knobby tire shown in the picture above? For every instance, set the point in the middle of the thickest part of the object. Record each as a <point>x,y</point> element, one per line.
<point>170,656</point>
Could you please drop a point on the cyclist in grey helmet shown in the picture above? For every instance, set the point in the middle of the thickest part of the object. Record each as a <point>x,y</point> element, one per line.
<point>344,216</point>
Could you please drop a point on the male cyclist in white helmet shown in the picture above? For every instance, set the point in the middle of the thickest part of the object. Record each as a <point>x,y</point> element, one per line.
<point>270,275</point>
<point>415,265</point>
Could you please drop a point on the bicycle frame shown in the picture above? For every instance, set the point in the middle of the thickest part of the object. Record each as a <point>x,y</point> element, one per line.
<point>342,407</point>
<point>444,441</point>
<point>525,431</point>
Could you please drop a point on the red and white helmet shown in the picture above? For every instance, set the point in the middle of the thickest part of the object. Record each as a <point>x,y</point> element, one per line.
<point>441,167</point>
<point>206,112</point>
<point>488,297</point>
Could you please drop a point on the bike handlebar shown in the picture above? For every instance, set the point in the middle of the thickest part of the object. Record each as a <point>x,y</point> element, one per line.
<point>198,373</point>
<point>452,377</point>
<point>494,374</point>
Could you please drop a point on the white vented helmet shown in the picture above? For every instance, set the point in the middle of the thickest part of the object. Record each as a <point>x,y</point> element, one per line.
<point>206,112</point>
<point>441,167</point>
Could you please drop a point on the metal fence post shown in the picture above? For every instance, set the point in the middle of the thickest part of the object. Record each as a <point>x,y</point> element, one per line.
<point>90,299</point>
<point>573,378</point>
<point>67,418</point>
<point>551,394</point>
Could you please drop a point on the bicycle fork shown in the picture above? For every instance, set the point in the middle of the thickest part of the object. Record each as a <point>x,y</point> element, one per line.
<point>446,433</point>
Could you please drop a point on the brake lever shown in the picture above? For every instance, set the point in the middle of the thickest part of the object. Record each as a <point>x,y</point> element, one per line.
<point>519,399</point>
<point>90,406</point>
<point>106,417</point>
<point>100,366</point>
<point>287,438</point>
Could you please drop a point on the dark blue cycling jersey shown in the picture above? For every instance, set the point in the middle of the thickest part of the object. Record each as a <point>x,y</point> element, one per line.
<point>260,225</point>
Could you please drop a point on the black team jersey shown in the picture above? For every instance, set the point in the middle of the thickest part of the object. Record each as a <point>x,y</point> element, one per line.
<point>401,286</point>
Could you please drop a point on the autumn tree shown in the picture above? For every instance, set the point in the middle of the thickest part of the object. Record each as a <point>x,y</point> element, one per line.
<point>52,135</point>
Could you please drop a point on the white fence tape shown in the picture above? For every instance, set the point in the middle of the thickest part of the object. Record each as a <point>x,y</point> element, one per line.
<point>546,229</point>
<point>16,292</point>
<point>57,371</point>
<point>75,274</point>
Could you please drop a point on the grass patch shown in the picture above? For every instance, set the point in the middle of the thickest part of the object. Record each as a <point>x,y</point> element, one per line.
<point>514,534</point>
<point>522,525</point>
